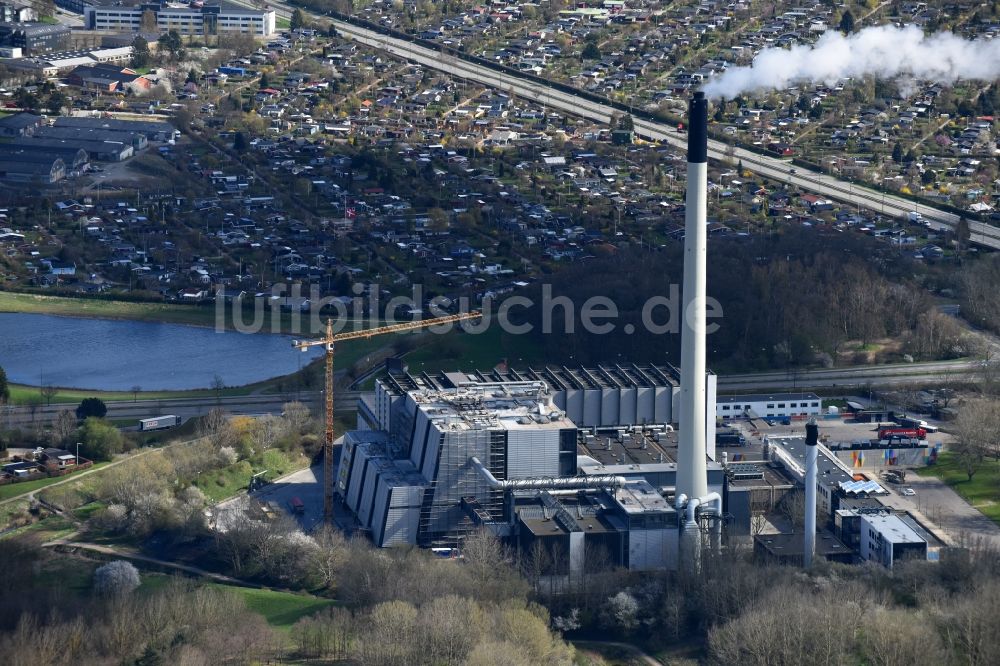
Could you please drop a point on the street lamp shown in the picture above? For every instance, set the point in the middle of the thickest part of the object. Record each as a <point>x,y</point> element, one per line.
<point>78,454</point>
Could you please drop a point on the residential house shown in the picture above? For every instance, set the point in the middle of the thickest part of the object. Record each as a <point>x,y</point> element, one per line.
<point>107,77</point>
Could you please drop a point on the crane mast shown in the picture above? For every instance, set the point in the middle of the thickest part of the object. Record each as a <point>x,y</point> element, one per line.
<point>328,342</point>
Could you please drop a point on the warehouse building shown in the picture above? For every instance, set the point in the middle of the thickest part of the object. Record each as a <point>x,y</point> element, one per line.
<point>107,77</point>
<point>768,405</point>
<point>19,124</point>
<point>153,130</point>
<point>97,150</point>
<point>74,159</point>
<point>32,168</point>
<point>136,140</point>
<point>62,61</point>
<point>210,18</point>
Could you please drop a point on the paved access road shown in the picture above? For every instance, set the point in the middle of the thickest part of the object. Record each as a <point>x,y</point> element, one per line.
<point>945,508</point>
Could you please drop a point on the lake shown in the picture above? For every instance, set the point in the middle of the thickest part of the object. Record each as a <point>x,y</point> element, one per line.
<point>115,355</point>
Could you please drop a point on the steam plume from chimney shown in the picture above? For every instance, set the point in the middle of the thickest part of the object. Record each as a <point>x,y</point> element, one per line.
<point>885,52</point>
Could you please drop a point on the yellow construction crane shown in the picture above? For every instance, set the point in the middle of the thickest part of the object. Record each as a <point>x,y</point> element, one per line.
<point>328,343</point>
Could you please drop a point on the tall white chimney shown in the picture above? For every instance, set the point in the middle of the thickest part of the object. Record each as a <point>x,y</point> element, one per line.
<point>692,475</point>
<point>812,440</point>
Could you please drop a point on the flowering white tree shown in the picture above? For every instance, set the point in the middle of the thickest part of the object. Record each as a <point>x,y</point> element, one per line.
<point>116,579</point>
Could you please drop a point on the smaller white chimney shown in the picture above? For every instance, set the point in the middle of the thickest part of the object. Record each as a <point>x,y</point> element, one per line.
<point>812,440</point>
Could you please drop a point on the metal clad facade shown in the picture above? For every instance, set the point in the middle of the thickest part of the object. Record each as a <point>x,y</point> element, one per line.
<point>711,386</point>
<point>652,549</point>
<point>381,497</point>
<point>592,407</point>
<point>532,452</point>
<point>367,495</point>
<point>577,552</point>
<point>574,405</point>
<point>644,408</point>
<point>417,452</point>
<point>455,477</point>
<point>609,407</point>
<point>432,445</point>
<point>344,466</point>
<point>355,479</point>
<point>664,404</point>
<point>627,411</point>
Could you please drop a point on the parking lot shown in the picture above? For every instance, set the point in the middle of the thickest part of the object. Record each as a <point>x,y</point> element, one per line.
<point>307,486</point>
<point>943,507</point>
<point>841,430</point>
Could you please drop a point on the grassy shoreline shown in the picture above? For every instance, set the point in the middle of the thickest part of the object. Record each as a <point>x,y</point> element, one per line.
<point>203,315</point>
<point>170,313</point>
<point>91,308</point>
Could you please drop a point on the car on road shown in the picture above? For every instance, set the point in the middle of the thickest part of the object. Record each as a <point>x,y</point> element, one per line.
<point>909,492</point>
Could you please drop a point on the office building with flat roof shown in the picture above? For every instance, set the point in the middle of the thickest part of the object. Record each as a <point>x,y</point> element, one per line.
<point>210,18</point>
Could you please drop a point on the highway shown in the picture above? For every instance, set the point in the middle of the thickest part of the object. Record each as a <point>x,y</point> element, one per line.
<point>773,168</point>
<point>876,375</point>
<point>944,372</point>
<point>187,408</point>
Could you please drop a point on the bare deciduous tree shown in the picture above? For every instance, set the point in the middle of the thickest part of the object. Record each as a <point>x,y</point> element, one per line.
<point>48,392</point>
<point>63,427</point>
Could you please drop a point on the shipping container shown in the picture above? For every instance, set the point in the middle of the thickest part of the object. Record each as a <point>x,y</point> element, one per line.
<point>159,422</point>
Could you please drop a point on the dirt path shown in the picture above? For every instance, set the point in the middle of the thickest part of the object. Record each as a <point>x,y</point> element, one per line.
<point>628,647</point>
<point>135,557</point>
<point>94,470</point>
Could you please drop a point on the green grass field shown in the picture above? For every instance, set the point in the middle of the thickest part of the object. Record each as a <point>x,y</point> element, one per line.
<point>89,307</point>
<point>463,351</point>
<point>983,492</point>
<point>21,394</point>
<point>87,511</point>
<point>46,529</point>
<point>25,487</point>
<point>280,609</point>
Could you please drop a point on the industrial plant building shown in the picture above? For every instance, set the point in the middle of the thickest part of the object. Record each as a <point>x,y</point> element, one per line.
<point>852,505</point>
<point>436,457</point>
<point>598,397</point>
<point>195,18</point>
<point>615,464</point>
<point>768,405</point>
